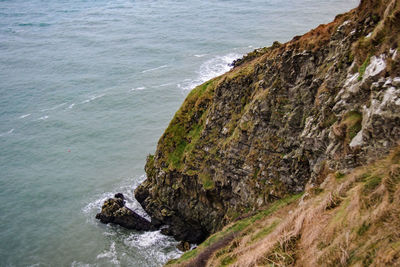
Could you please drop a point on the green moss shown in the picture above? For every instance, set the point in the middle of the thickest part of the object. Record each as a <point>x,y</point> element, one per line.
<point>176,155</point>
<point>185,128</point>
<point>363,67</point>
<point>206,181</point>
<point>353,120</point>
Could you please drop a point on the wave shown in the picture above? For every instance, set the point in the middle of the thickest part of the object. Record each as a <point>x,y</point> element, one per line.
<point>110,254</point>
<point>157,68</point>
<point>71,106</point>
<point>210,69</point>
<point>43,118</point>
<point>92,98</point>
<point>24,116</point>
<point>53,108</point>
<point>127,189</point>
<point>138,88</point>
<point>155,247</point>
<point>200,55</point>
<point>7,133</point>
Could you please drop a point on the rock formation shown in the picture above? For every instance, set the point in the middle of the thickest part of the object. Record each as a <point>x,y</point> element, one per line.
<point>284,116</point>
<point>115,211</point>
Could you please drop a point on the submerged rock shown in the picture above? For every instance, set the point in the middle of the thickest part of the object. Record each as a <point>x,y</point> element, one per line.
<point>115,211</point>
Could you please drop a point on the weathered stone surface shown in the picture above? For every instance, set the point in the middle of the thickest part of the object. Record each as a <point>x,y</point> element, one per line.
<point>114,211</point>
<point>284,116</point>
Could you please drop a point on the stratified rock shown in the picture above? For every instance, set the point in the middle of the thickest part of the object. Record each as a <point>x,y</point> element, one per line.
<point>114,211</point>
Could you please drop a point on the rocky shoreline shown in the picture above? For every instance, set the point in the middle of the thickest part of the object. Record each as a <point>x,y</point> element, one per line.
<point>283,119</point>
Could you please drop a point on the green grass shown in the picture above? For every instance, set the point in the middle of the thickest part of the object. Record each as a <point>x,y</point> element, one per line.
<point>227,261</point>
<point>237,227</point>
<point>339,175</point>
<point>265,231</point>
<point>371,183</point>
<point>363,228</point>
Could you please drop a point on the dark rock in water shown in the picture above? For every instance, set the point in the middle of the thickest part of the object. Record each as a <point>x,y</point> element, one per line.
<point>114,211</point>
<point>119,195</point>
<point>183,246</point>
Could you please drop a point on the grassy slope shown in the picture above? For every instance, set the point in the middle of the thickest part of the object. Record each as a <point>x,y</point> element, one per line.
<point>350,220</point>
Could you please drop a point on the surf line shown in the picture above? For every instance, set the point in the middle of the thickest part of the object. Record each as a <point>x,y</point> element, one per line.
<point>153,69</point>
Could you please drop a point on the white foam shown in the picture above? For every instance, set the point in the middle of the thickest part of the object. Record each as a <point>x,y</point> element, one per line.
<point>127,189</point>
<point>71,106</point>
<point>24,116</point>
<point>164,84</point>
<point>53,108</point>
<point>138,88</point>
<point>80,264</point>
<point>157,68</point>
<point>200,55</point>
<point>145,240</point>
<point>153,244</point>
<point>210,69</point>
<point>110,254</point>
<point>96,204</point>
<point>92,98</point>
<point>7,133</point>
<point>43,118</point>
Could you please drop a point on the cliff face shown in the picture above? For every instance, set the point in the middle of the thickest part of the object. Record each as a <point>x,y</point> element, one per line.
<point>284,116</point>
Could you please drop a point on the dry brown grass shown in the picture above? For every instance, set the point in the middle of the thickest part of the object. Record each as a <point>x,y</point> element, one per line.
<point>355,221</point>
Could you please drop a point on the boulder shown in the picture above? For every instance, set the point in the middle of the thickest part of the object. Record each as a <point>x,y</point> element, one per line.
<point>115,211</point>
<point>183,246</point>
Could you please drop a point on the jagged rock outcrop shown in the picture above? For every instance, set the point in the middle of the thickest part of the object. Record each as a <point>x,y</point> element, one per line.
<point>283,117</point>
<point>115,211</point>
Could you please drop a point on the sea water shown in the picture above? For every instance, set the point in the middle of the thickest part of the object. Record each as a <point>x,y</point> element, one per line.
<point>87,88</point>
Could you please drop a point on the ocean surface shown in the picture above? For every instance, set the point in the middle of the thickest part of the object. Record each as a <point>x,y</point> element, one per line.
<point>87,88</point>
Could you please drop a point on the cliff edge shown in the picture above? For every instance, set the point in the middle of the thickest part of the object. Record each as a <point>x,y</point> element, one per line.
<point>284,117</point>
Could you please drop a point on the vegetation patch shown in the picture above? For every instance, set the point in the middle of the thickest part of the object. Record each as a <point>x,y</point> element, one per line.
<point>363,67</point>
<point>371,183</point>
<point>265,231</point>
<point>206,181</point>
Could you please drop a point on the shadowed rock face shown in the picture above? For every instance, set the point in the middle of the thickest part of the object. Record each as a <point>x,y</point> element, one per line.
<point>114,211</point>
<point>283,117</point>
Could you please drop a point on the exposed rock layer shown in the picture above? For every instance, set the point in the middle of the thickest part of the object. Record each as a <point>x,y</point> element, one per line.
<point>284,116</point>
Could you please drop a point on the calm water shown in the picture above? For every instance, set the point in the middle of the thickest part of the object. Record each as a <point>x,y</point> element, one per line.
<point>86,89</point>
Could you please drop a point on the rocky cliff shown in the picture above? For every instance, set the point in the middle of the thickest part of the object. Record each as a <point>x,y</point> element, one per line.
<point>285,116</point>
